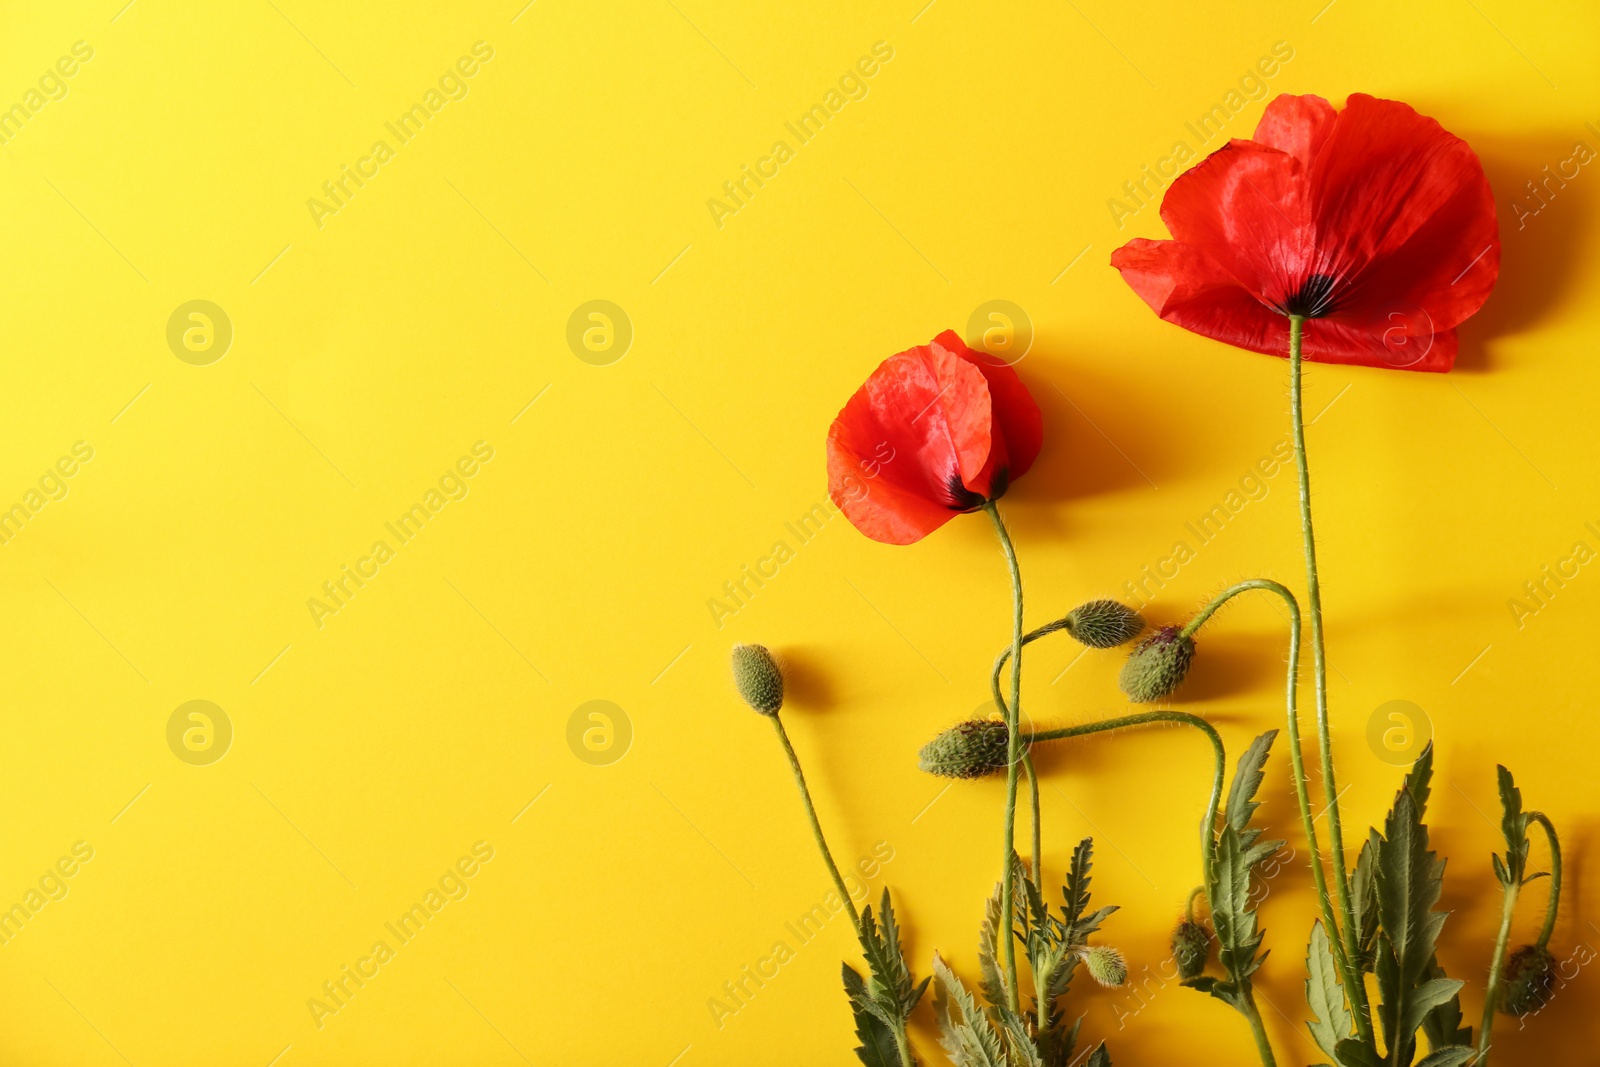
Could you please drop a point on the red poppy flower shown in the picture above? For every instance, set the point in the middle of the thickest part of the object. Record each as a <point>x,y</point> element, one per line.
<point>936,431</point>
<point>1373,221</point>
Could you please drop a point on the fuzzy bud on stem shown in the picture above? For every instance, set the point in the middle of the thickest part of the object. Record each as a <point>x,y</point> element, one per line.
<point>1530,980</point>
<point>1157,665</point>
<point>1106,965</point>
<point>972,749</point>
<point>758,678</point>
<point>1191,948</point>
<point>1103,623</point>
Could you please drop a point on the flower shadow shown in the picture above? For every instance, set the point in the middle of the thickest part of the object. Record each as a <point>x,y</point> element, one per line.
<point>1540,232</point>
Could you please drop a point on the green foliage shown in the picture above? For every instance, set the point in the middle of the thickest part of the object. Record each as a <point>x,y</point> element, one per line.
<point>883,1001</point>
<point>1395,885</point>
<point>1239,852</point>
<point>1053,943</point>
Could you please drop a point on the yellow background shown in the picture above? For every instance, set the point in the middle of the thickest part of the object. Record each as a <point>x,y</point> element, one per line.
<point>371,352</point>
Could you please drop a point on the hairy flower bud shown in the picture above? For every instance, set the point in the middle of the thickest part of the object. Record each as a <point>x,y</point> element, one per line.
<point>972,749</point>
<point>757,677</point>
<point>1103,623</point>
<point>1105,965</point>
<point>1530,980</point>
<point>1157,665</point>
<point>1191,948</point>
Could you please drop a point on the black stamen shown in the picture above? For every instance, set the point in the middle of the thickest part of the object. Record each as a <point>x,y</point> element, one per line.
<point>1315,298</point>
<point>962,498</point>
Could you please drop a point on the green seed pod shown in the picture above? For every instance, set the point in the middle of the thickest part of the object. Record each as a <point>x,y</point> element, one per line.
<point>973,749</point>
<point>1191,948</point>
<point>1157,665</point>
<point>757,677</point>
<point>1105,965</point>
<point>1530,980</point>
<point>1103,623</point>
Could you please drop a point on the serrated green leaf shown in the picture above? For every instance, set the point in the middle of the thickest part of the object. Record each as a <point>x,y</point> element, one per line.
<point>1514,827</point>
<point>1449,1056</point>
<point>1075,893</point>
<point>994,985</point>
<point>890,984</point>
<point>1443,1024</point>
<point>1353,1053</point>
<point>1100,1057</point>
<point>1409,880</point>
<point>965,1032</point>
<point>1419,780</point>
<point>877,1048</point>
<point>1364,894</point>
<point>1331,1020</point>
<point>1247,781</point>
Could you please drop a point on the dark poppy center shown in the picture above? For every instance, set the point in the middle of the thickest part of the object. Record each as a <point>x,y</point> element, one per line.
<point>964,499</point>
<point>1314,299</point>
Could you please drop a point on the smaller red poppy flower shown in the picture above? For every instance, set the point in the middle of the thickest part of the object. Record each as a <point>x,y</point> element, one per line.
<point>1374,223</point>
<point>936,431</point>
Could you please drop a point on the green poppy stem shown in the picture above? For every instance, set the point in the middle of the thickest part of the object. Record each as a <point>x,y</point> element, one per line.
<point>1033,789</point>
<point>816,827</point>
<point>1349,972</point>
<point>1341,877</point>
<point>1208,825</point>
<point>1013,757</point>
<point>1549,926</point>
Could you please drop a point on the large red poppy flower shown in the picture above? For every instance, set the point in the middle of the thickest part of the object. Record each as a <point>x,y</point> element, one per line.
<point>1373,221</point>
<point>936,431</point>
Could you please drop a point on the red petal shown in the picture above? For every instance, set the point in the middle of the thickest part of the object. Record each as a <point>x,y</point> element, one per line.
<point>1015,412</point>
<point>1244,204</point>
<point>1386,172</point>
<point>1297,125</point>
<point>1401,342</point>
<point>1187,288</point>
<point>923,417</point>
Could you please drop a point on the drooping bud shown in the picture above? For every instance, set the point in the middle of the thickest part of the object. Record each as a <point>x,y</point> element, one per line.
<point>1105,965</point>
<point>757,677</point>
<point>973,749</point>
<point>1191,948</point>
<point>1157,665</point>
<point>1530,980</point>
<point>1103,623</point>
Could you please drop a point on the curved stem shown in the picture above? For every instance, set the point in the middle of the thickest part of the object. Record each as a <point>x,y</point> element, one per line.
<point>1555,877</point>
<point>902,1042</point>
<point>1349,968</point>
<point>1188,906</point>
<point>1208,826</point>
<point>1013,757</point>
<point>1033,788</point>
<point>1341,877</point>
<point>1491,995</point>
<point>816,827</point>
